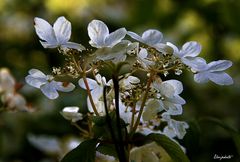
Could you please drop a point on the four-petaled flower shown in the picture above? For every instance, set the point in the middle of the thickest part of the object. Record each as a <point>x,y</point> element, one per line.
<point>214,71</point>
<point>188,54</point>
<point>46,84</point>
<point>56,36</point>
<point>100,37</point>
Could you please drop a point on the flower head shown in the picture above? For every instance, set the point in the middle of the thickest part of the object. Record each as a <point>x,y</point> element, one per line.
<point>46,84</point>
<point>71,113</point>
<point>56,36</point>
<point>100,36</point>
<point>214,72</point>
<point>188,54</point>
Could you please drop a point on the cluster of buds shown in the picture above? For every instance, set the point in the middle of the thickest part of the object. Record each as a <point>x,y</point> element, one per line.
<point>146,104</point>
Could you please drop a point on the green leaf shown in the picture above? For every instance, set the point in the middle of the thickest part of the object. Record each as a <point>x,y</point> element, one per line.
<point>173,149</point>
<point>233,132</point>
<point>99,120</point>
<point>107,149</point>
<point>192,139</point>
<point>85,152</point>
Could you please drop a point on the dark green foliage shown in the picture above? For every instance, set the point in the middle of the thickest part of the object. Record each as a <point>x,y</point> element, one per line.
<point>85,152</point>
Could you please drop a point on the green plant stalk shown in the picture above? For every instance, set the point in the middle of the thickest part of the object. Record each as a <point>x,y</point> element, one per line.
<point>109,123</point>
<point>116,94</point>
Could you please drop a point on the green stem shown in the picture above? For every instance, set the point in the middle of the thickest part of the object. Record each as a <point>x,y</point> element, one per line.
<point>120,140</point>
<point>109,123</point>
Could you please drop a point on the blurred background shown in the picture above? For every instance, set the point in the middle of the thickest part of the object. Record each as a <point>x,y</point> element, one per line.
<point>213,23</point>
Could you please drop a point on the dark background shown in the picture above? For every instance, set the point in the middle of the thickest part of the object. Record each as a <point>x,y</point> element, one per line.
<point>213,23</point>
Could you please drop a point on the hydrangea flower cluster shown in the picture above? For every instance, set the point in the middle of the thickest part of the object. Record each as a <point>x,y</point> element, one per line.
<point>146,105</point>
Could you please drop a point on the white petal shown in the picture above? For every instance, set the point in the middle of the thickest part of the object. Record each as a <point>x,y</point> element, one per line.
<point>191,49</point>
<point>177,85</point>
<point>35,82</point>
<point>219,65</point>
<point>176,99</point>
<point>179,128</point>
<point>172,109</point>
<point>49,90</point>
<point>201,77</point>
<point>37,73</point>
<point>49,45</point>
<point>71,113</point>
<point>135,36</point>
<point>168,131</point>
<point>166,89</point>
<point>91,83</point>
<point>44,30</point>
<point>97,92</point>
<point>152,37</point>
<point>64,86</point>
<point>97,31</point>
<point>115,37</point>
<point>62,29</point>
<point>221,78</point>
<point>73,45</point>
<point>196,63</point>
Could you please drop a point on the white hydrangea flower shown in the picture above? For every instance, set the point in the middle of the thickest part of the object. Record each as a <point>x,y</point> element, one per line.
<point>150,37</point>
<point>214,72</point>
<point>168,94</point>
<point>57,35</point>
<point>46,84</point>
<point>188,54</point>
<point>174,128</point>
<point>153,38</point>
<point>71,113</point>
<point>100,36</point>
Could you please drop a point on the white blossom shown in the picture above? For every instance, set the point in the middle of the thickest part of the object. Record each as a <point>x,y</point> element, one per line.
<point>188,54</point>
<point>152,38</point>
<point>174,128</point>
<point>46,84</point>
<point>168,96</point>
<point>57,35</point>
<point>214,72</point>
<point>71,113</point>
<point>100,36</point>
